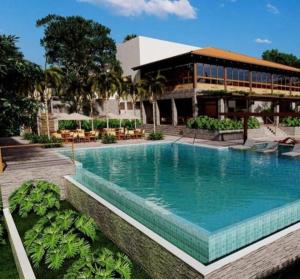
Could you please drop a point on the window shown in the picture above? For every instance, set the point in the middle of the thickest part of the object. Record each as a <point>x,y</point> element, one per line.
<point>129,106</point>
<point>122,106</point>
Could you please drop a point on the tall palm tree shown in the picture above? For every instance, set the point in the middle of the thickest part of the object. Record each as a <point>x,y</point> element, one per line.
<point>136,90</point>
<point>155,86</point>
<point>51,80</point>
<point>105,84</point>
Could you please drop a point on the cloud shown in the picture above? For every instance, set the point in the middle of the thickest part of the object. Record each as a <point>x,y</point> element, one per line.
<point>263,41</point>
<point>272,9</point>
<point>160,8</point>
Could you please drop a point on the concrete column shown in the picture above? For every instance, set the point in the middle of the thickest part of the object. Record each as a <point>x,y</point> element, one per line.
<point>174,113</point>
<point>143,113</point>
<point>221,108</point>
<point>276,110</point>
<point>195,104</point>
<point>157,113</point>
<point>251,106</point>
<point>293,106</point>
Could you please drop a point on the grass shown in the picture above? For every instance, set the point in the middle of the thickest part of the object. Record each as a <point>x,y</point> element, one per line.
<point>24,224</point>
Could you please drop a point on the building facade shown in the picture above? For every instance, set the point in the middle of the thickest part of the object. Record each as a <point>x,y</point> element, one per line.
<point>211,81</point>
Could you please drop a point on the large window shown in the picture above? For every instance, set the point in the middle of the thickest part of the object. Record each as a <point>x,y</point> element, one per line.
<point>212,74</point>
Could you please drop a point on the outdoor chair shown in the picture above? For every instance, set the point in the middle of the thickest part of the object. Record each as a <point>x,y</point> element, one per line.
<point>270,148</point>
<point>249,144</point>
<point>295,151</point>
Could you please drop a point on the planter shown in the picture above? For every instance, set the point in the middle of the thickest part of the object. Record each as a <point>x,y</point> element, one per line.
<point>291,131</point>
<point>22,262</point>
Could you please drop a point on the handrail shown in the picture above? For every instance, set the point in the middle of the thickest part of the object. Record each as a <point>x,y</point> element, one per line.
<point>178,139</point>
<point>2,164</point>
<point>195,136</point>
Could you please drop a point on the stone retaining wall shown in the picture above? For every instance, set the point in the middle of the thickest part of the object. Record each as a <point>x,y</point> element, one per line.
<point>256,261</point>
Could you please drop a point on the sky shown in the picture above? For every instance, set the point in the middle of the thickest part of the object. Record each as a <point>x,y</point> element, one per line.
<point>245,26</point>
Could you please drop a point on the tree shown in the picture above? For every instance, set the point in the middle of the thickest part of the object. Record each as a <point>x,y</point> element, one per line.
<point>275,55</point>
<point>136,90</point>
<point>129,37</point>
<point>155,86</point>
<point>105,84</point>
<point>17,80</point>
<point>51,81</point>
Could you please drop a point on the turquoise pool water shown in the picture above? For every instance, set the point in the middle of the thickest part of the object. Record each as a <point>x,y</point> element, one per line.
<point>213,201</point>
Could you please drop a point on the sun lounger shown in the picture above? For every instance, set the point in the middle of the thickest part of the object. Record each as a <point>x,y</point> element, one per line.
<point>270,147</point>
<point>249,144</point>
<point>295,151</point>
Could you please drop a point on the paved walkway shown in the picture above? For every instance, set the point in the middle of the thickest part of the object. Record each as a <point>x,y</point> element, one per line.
<point>25,163</point>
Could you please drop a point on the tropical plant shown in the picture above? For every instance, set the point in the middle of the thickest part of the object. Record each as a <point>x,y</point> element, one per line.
<point>59,236</point>
<point>208,123</point>
<point>291,121</point>
<point>51,142</point>
<point>35,196</point>
<point>17,80</point>
<point>107,139</point>
<point>101,264</point>
<point>2,241</point>
<point>129,37</point>
<point>156,136</point>
<point>155,86</point>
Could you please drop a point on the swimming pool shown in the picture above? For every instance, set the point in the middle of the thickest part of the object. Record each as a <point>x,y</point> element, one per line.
<point>207,202</point>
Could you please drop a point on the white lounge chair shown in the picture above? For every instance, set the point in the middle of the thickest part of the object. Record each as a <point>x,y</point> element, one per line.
<point>295,151</point>
<point>270,147</point>
<point>249,144</point>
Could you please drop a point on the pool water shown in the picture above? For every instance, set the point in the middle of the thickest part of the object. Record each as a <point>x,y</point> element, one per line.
<point>216,200</point>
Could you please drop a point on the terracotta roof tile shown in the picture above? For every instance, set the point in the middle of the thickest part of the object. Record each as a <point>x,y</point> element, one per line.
<point>233,56</point>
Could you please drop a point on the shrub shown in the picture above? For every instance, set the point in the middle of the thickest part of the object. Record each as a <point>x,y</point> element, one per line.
<point>48,143</point>
<point>291,121</point>
<point>208,123</point>
<point>106,139</point>
<point>156,136</point>
<point>67,125</point>
<point>27,136</point>
<point>35,196</point>
<point>101,264</point>
<point>59,236</point>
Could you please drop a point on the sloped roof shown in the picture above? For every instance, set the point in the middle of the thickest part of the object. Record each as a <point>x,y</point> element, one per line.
<point>233,56</point>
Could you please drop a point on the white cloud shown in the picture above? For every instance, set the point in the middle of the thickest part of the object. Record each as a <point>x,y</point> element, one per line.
<point>263,41</point>
<point>272,9</point>
<point>160,8</point>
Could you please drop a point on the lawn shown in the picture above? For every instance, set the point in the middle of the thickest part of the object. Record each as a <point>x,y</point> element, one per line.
<point>24,224</point>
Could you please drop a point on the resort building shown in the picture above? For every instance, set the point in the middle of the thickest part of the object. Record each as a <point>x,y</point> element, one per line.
<point>213,82</point>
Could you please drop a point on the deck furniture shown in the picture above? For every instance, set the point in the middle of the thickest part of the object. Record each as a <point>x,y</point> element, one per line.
<point>249,144</point>
<point>295,151</point>
<point>270,148</point>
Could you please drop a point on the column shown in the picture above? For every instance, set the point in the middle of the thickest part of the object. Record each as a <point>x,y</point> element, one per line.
<point>293,106</point>
<point>221,108</point>
<point>174,112</point>
<point>157,113</point>
<point>143,113</point>
<point>276,110</point>
<point>194,98</point>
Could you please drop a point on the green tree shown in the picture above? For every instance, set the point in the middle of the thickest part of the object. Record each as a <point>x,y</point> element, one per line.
<point>105,84</point>
<point>86,50</point>
<point>129,37</point>
<point>17,80</point>
<point>155,86</point>
<point>274,55</point>
<point>135,90</point>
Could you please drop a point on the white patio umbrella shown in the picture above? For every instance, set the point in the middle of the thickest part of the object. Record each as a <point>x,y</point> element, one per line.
<point>73,116</point>
<point>129,116</point>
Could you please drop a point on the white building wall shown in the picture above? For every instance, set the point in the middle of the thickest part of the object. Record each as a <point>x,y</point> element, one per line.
<point>143,50</point>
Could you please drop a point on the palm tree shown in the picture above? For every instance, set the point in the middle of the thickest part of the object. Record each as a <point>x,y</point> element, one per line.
<point>136,90</point>
<point>105,84</point>
<point>155,86</point>
<point>52,79</point>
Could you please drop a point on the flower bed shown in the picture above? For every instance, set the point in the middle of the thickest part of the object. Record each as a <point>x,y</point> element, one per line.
<point>79,239</point>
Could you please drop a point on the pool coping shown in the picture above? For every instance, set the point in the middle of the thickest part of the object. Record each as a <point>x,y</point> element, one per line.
<point>198,266</point>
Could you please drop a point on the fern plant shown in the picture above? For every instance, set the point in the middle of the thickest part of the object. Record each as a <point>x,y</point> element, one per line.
<point>59,236</point>
<point>35,196</point>
<point>101,264</point>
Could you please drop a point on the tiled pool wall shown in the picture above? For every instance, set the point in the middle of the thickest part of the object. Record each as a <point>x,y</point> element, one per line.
<point>178,231</point>
<point>161,261</point>
<point>201,245</point>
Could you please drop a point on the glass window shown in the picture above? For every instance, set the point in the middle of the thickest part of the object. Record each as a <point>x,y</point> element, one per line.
<point>129,106</point>
<point>122,106</point>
